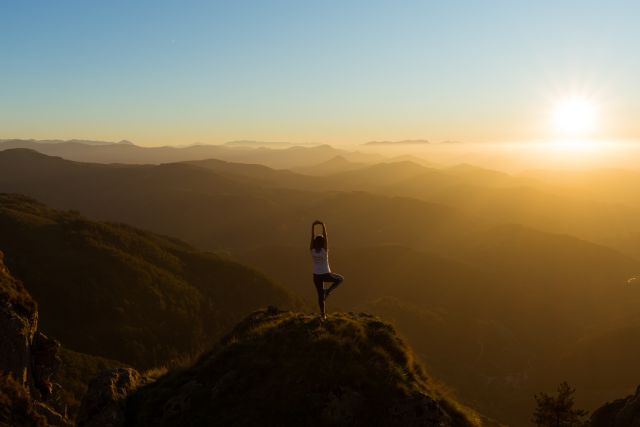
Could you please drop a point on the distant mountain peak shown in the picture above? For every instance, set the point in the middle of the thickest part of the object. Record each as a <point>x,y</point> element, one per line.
<point>337,160</point>
<point>24,153</point>
<point>402,142</point>
<point>251,143</point>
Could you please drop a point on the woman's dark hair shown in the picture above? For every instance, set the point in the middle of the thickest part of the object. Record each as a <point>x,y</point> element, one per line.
<point>318,242</point>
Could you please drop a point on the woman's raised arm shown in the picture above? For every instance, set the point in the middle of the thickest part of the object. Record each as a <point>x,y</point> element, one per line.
<point>312,232</point>
<point>324,234</point>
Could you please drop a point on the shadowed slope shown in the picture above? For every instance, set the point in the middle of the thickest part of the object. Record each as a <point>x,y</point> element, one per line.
<point>123,293</point>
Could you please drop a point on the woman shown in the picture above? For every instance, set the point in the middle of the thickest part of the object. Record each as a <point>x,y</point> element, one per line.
<point>321,270</point>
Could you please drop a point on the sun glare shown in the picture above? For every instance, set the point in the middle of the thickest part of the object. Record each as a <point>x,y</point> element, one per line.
<point>576,116</point>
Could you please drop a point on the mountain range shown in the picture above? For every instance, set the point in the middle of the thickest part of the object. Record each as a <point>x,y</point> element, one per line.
<point>513,280</point>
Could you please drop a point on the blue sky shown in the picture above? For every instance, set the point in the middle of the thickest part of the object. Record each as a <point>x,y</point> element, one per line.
<point>177,72</point>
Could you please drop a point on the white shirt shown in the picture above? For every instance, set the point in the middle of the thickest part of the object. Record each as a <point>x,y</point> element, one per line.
<point>320,261</point>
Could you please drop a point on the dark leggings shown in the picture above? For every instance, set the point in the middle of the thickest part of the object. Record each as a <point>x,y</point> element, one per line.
<point>320,279</point>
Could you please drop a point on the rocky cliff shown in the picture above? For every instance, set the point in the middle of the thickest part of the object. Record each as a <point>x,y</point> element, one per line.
<point>28,360</point>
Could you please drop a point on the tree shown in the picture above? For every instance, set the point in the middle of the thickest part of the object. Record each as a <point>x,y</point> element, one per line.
<point>558,411</point>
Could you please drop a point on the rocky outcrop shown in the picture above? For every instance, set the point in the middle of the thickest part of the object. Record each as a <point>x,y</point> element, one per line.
<point>18,325</point>
<point>285,368</point>
<point>619,413</point>
<point>28,356</point>
<point>282,368</point>
<point>104,402</point>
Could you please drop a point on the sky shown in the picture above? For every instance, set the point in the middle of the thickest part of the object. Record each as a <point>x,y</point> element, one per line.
<point>339,72</point>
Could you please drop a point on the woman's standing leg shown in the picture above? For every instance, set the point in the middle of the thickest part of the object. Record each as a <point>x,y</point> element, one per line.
<point>319,283</point>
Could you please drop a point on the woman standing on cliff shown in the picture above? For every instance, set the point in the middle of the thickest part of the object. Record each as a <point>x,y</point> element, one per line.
<point>321,271</point>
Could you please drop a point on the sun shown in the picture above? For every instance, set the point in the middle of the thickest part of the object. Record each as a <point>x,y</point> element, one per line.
<point>575,116</point>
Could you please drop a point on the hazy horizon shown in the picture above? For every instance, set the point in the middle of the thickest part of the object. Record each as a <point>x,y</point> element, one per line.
<point>510,157</point>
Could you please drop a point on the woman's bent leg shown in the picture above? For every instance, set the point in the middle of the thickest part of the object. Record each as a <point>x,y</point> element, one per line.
<point>335,280</point>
